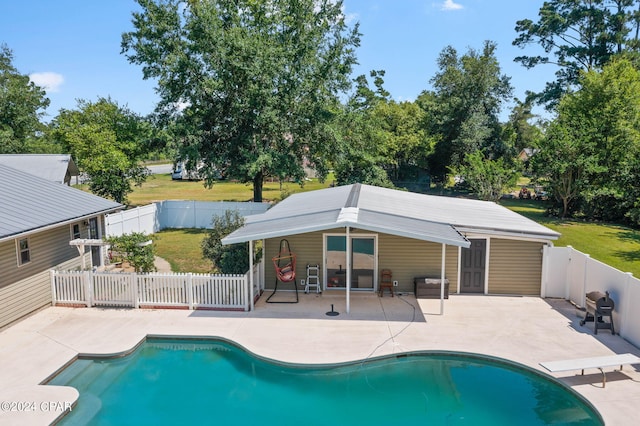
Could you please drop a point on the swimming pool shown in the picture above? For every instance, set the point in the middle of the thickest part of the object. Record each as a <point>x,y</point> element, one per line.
<point>169,381</point>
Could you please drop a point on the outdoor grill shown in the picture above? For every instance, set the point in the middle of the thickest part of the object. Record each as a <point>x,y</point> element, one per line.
<point>598,307</point>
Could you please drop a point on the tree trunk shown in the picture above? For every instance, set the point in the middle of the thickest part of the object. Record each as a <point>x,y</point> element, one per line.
<point>258,180</point>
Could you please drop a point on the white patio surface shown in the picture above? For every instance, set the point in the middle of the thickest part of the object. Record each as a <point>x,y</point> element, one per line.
<point>527,330</point>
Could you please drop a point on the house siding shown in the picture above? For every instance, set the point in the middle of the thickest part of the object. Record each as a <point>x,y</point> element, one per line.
<point>515,267</point>
<point>30,294</point>
<point>47,249</point>
<point>409,258</point>
<point>405,257</point>
<point>26,288</point>
<point>308,250</point>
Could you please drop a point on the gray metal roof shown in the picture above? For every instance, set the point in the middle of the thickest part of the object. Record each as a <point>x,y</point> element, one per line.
<point>29,203</point>
<point>54,167</point>
<point>407,214</point>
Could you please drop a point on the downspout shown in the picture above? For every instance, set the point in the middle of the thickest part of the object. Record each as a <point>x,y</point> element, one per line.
<point>444,252</point>
<point>251,275</point>
<point>348,270</point>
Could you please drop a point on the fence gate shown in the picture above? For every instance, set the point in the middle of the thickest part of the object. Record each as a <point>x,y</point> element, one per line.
<point>113,289</point>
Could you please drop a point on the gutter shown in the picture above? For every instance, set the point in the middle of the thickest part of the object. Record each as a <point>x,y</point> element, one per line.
<point>57,224</point>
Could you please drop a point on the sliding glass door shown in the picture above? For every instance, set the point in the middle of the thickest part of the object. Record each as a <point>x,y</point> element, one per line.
<point>363,262</point>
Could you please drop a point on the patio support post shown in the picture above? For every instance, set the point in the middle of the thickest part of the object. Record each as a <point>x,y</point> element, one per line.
<point>251,274</point>
<point>348,275</point>
<point>444,252</point>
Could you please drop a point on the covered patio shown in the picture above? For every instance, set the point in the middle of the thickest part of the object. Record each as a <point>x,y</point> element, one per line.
<point>528,330</point>
<point>353,232</point>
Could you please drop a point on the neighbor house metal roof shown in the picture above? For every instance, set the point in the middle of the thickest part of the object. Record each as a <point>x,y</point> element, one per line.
<point>29,203</point>
<point>54,167</point>
<point>424,217</point>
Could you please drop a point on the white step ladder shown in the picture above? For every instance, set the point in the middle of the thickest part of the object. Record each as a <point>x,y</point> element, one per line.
<point>313,279</point>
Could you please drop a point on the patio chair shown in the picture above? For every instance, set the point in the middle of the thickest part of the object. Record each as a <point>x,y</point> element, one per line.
<point>386,281</point>
<point>285,267</point>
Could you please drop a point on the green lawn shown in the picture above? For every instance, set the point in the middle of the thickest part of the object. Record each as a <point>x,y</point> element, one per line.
<point>615,245</point>
<point>181,248</point>
<point>161,187</point>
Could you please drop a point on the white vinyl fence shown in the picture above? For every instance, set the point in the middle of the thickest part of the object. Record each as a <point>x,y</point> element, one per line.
<point>190,291</point>
<point>571,274</point>
<point>161,215</point>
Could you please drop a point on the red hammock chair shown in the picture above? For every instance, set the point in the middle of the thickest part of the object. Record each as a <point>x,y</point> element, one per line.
<point>285,266</point>
<point>287,272</point>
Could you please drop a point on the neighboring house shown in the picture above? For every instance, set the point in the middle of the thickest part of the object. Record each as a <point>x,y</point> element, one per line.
<point>526,154</point>
<point>38,219</point>
<point>488,248</point>
<point>58,168</point>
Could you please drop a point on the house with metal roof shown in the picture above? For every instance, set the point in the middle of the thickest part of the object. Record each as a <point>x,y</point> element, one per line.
<point>59,168</point>
<point>38,219</point>
<point>353,232</point>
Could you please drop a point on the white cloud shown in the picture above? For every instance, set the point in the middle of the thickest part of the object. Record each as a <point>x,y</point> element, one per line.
<point>49,81</point>
<point>451,5</point>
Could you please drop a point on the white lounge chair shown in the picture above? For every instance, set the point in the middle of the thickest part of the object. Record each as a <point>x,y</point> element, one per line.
<point>599,362</point>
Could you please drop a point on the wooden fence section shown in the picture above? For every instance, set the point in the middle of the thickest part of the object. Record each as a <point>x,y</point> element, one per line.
<point>191,291</point>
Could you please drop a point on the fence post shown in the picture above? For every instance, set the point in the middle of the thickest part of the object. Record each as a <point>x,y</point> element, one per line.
<point>52,274</point>
<point>134,290</point>
<point>583,296</point>
<point>190,290</point>
<point>88,288</point>
<point>626,303</point>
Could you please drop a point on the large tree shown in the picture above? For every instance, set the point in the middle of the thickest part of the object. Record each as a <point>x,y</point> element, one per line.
<point>592,148</point>
<point>257,79</point>
<point>22,105</point>
<point>578,35</point>
<point>463,108</point>
<point>108,141</point>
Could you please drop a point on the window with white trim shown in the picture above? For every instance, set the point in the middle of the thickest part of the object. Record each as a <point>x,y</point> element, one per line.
<point>24,253</point>
<point>75,231</point>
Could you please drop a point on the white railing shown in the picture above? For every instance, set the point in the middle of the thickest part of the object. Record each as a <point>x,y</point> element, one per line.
<point>192,291</point>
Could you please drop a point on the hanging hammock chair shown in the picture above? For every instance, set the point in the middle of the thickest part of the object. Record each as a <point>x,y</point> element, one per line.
<point>285,266</point>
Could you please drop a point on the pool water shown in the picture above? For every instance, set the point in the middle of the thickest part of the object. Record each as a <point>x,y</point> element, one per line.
<point>168,382</point>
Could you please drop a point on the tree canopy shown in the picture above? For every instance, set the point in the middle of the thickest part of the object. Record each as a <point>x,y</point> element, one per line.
<point>258,79</point>
<point>592,149</point>
<point>462,111</point>
<point>22,105</point>
<point>107,142</point>
<point>578,35</point>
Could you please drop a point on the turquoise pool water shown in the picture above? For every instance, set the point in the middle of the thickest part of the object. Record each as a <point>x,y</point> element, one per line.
<point>169,382</point>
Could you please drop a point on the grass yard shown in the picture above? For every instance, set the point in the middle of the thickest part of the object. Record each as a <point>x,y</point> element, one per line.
<point>615,245</point>
<point>161,187</point>
<point>181,248</point>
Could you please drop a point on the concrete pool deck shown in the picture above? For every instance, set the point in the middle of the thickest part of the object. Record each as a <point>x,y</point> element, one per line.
<point>527,330</point>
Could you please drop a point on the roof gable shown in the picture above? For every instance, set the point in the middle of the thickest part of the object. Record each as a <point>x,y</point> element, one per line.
<point>30,202</point>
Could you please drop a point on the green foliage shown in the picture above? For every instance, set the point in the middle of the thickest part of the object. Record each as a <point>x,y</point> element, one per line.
<point>379,139</point>
<point>488,179</point>
<point>22,104</point>
<point>259,80</point>
<point>132,249</point>
<point>462,111</point>
<point>518,130</point>
<point>578,35</point>
<point>591,150</point>
<point>107,141</point>
<point>229,259</point>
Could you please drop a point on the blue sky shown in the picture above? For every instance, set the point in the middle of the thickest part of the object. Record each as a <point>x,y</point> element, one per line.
<point>72,47</point>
